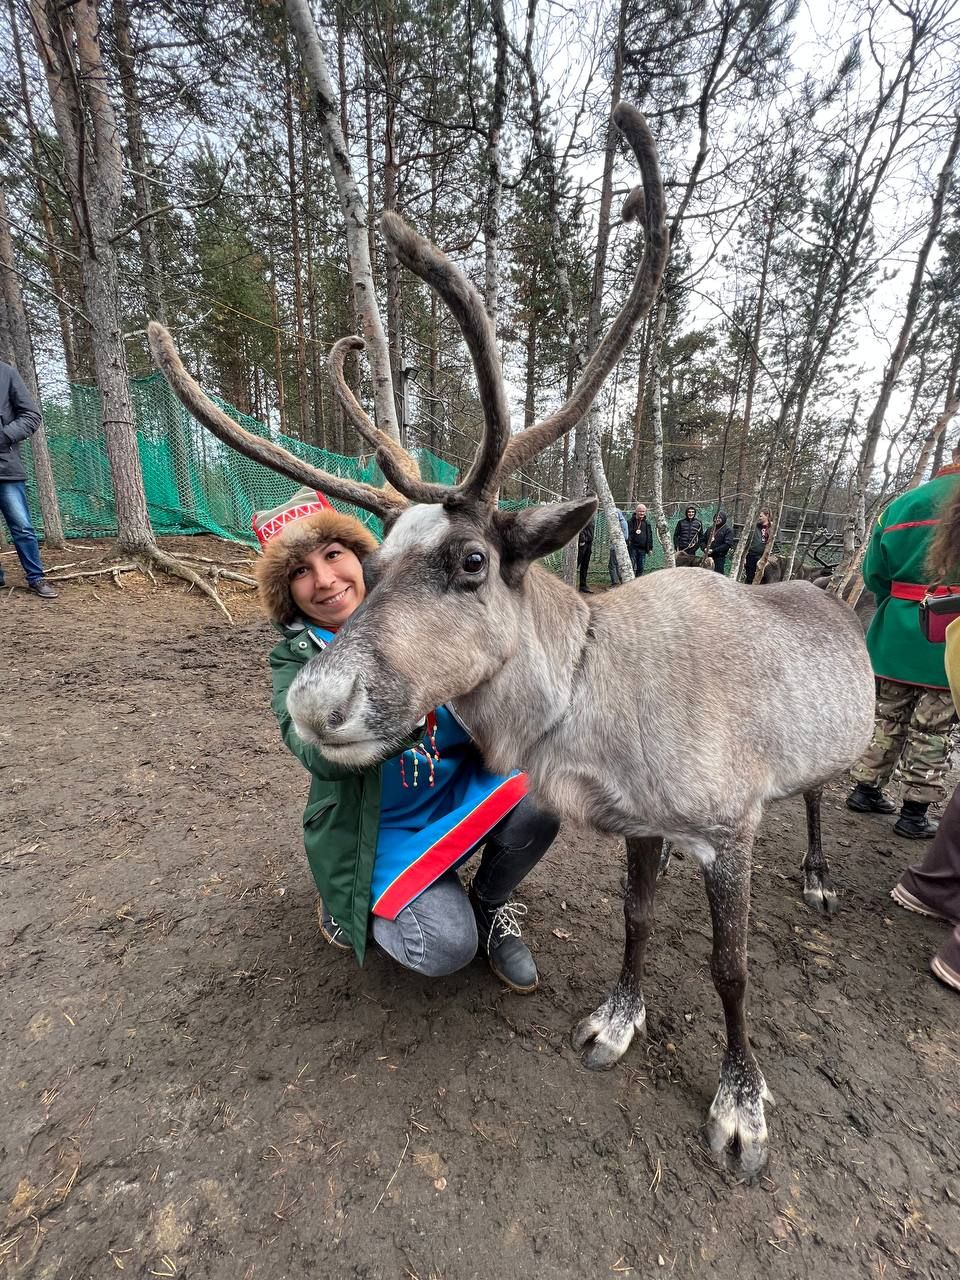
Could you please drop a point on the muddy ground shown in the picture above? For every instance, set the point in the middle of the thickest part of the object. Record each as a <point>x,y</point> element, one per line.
<point>195,1084</point>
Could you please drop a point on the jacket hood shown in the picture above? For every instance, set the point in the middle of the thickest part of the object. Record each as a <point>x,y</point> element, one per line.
<point>283,553</point>
<point>721,517</point>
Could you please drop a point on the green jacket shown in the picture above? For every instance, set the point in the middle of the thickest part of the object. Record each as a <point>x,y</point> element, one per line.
<point>897,553</point>
<point>342,818</point>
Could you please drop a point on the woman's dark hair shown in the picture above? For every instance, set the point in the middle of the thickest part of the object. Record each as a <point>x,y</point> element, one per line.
<point>943,558</point>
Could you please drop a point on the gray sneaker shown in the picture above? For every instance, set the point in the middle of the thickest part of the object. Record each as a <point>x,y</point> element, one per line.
<point>330,929</point>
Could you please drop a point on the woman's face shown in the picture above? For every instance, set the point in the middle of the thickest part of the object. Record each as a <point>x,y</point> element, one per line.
<point>327,585</point>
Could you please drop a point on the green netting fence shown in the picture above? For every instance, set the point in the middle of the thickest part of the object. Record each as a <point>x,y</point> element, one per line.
<point>194,484</point>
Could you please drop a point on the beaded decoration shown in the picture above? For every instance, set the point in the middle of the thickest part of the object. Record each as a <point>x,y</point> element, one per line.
<point>430,754</point>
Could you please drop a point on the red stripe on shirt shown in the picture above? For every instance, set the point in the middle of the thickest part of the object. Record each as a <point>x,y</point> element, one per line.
<point>440,857</point>
<point>909,524</point>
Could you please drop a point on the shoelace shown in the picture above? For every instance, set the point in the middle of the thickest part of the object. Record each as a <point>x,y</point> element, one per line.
<point>505,923</point>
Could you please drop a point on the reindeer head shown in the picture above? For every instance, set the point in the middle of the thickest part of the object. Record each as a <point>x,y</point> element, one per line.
<point>446,590</point>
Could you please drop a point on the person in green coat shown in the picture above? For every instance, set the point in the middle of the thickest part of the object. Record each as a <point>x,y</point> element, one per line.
<point>914,708</point>
<point>384,843</point>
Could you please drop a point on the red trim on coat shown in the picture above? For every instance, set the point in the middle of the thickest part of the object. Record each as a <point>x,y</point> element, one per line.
<point>951,469</point>
<point>909,524</point>
<point>448,850</point>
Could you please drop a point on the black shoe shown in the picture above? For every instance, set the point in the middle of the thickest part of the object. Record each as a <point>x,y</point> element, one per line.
<point>585,591</point>
<point>867,798</point>
<point>330,929</point>
<point>498,929</point>
<point>44,590</point>
<point>914,823</point>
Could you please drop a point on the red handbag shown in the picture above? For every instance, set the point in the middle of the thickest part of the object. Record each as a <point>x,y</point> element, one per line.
<point>936,614</point>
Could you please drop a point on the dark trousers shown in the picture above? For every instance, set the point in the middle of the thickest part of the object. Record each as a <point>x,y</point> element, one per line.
<point>752,562</point>
<point>637,558</point>
<point>583,563</point>
<point>720,564</point>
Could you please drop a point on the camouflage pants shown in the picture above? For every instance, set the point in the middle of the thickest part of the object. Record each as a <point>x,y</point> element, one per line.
<point>911,733</point>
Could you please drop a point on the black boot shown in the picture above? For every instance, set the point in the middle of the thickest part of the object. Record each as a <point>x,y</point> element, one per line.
<point>513,849</point>
<point>498,930</point>
<point>914,823</point>
<point>867,798</point>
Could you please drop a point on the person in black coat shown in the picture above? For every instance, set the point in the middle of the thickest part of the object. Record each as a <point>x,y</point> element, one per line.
<point>19,419</point>
<point>584,552</point>
<point>639,538</point>
<point>719,541</point>
<point>687,535</point>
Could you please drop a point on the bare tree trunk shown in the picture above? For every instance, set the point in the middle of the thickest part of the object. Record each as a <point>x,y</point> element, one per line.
<point>19,334</point>
<point>146,230</point>
<point>303,390</point>
<point>656,418</point>
<point>278,355</point>
<point>354,212</point>
<point>94,165</point>
<point>633,466</point>
<point>936,433</point>
<point>895,364</point>
<point>50,251</point>
<point>491,220</point>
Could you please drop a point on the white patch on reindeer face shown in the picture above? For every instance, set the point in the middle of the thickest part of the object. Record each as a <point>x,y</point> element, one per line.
<point>420,528</point>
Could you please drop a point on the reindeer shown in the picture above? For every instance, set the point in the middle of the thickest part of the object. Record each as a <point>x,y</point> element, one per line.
<point>559,685</point>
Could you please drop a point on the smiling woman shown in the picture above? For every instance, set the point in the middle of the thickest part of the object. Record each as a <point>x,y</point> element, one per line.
<point>384,840</point>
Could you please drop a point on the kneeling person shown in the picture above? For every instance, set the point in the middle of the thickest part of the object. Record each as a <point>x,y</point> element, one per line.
<point>384,843</point>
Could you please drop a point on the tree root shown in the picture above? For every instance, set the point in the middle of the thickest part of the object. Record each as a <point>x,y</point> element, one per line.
<point>150,557</point>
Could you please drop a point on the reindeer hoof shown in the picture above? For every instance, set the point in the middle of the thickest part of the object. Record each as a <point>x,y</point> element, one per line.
<point>819,893</point>
<point>736,1120</point>
<point>605,1035</point>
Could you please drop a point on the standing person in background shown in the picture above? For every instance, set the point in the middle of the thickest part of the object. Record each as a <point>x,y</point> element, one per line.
<point>616,579</point>
<point>932,887</point>
<point>640,540</point>
<point>719,541</point>
<point>687,535</point>
<point>584,552</point>
<point>19,419</point>
<point>758,544</point>
<point>914,708</point>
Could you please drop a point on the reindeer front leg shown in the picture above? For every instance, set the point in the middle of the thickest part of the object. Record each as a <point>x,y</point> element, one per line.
<point>605,1035</point>
<point>736,1113</point>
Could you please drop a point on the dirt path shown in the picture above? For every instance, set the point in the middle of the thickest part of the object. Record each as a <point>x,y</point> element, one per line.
<point>195,1084</point>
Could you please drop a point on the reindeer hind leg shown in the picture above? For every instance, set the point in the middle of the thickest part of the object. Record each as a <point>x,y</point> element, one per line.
<point>736,1117</point>
<point>605,1035</point>
<point>818,890</point>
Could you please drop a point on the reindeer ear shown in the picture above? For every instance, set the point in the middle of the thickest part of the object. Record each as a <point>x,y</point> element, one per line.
<point>536,531</point>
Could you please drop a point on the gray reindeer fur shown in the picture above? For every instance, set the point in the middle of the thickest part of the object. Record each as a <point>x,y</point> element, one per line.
<point>608,706</point>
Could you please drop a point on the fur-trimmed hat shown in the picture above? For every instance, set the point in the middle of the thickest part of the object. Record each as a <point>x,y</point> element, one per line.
<point>293,538</point>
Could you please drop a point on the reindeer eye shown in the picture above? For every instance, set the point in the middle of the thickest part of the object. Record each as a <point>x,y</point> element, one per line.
<point>474,562</point>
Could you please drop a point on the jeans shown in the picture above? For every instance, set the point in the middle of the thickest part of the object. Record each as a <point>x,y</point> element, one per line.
<point>14,509</point>
<point>616,578</point>
<point>636,559</point>
<point>436,934</point>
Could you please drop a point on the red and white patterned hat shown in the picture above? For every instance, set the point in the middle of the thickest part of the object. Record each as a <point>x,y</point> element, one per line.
<point>305,502</point>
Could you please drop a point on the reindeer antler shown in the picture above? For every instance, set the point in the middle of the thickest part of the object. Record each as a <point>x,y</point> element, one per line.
<point>189,393</point>
<point>498,454</point>
<point>368,430</point>
<point>466,305</point>
<point>646,203</point>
